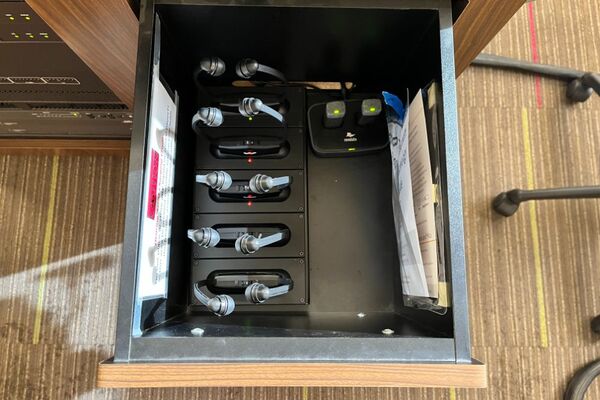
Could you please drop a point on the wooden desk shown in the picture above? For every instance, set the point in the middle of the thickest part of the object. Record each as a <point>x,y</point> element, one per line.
<point>292,374</point>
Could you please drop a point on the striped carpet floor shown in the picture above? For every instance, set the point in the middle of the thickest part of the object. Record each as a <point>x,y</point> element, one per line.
<point>532,277</point>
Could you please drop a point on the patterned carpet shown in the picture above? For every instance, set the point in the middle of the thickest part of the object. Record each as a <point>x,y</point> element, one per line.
<point>532,277</point>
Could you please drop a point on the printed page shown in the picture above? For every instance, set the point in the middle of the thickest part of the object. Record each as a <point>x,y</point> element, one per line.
<point>411,266</point>
<point>423,192</point>
<point>158,195</point>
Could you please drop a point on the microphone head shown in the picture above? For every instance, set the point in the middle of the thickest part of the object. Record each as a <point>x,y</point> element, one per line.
<point>225,180</point>
<point>257,293</point>
<point>247,244</point>
<point>246,68</point>
<point>259,184</point>
<point>213,66</point>
<point>221,305</point>
<point>205,237</point>
<point>250,106</point>
<point>211,116</point>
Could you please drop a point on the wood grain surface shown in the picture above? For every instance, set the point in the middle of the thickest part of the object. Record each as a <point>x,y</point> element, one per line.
<point>102,33</point>
<point>480,21</point>
<point>291,374</point>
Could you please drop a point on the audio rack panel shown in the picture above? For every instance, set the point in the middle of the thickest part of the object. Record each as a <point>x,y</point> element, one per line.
<point>293,267</point>
<point>254,149</point>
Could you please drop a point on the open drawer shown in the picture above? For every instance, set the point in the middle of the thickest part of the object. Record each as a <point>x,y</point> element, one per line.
<point>344,322</point>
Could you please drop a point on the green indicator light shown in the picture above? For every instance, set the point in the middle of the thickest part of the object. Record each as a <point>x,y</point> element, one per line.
<point>15,35</point>
<point>250,118</point>
<point>28,18</point>
<point>11,18</point>
<point>372,109</point>
<point>352,149</point>
<point>336,111</point>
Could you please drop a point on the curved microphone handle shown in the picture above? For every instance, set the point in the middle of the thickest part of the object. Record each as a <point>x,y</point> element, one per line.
<point>205,237</point>
<point>260,184</point>
<point>217,180</point>
<point>259,293</point>
<point>251,106</point>
<point>220,305</point>
<point>248,67</point>
<point>249,244</point>
<point>209,116</point>
<point>212,66</point>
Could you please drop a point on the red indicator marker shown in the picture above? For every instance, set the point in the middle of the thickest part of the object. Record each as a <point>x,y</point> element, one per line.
<point>249,204</point>
<point>250,160</point>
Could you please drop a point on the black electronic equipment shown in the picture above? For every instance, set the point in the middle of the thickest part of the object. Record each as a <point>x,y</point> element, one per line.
<point>244,147</point>
<point>241,112</point>
<point>236,281</point>
<point>46,90</point>
<point>347,127</point>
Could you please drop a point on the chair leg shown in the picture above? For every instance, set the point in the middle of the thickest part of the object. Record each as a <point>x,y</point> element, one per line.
<point>507,203</point>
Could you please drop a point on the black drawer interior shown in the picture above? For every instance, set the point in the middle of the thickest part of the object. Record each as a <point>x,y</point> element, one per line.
<point>340,247</point>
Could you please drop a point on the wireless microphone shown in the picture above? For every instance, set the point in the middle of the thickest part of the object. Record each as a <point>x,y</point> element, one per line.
<point>212,66</point>
<point>248,67</point>
<point>370,109</point>
<point>210,116</point>
<point>205,237</point>
<point>260,184</point>
<point>259,293</point>
<point>249,244</point>
<point>251,106</point>
<point>217,180</point>
<point>220,305</point>
<point>335,111</point>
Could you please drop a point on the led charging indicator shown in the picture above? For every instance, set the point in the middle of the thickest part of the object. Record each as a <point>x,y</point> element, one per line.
<point>250,118</point>
<point>249,204</point>
<point>352,149</point>
<point>249,160</point>
<point>336,111</point>
<point>372,109</point>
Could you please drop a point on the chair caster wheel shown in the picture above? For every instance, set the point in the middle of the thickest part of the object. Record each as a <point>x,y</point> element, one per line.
<point>503,205</point>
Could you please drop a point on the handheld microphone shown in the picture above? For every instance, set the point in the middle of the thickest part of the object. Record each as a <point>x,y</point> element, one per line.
<point>212,66</point>
<point>217,180</point>
<point>220,305</point>
<point>259,293</point>
<point>260,184</point>
<point>205,237</point>
<point>248,67</point>
<point>210,116</point>
<point>251,106</point>
<point>249,244</point>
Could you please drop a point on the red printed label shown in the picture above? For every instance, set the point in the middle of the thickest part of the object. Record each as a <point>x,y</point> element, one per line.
<point>153,184</point>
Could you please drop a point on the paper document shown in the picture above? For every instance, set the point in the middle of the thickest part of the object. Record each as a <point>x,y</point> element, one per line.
<point>158,195</point>
<point>412,274</point>
<point>422,191</point>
